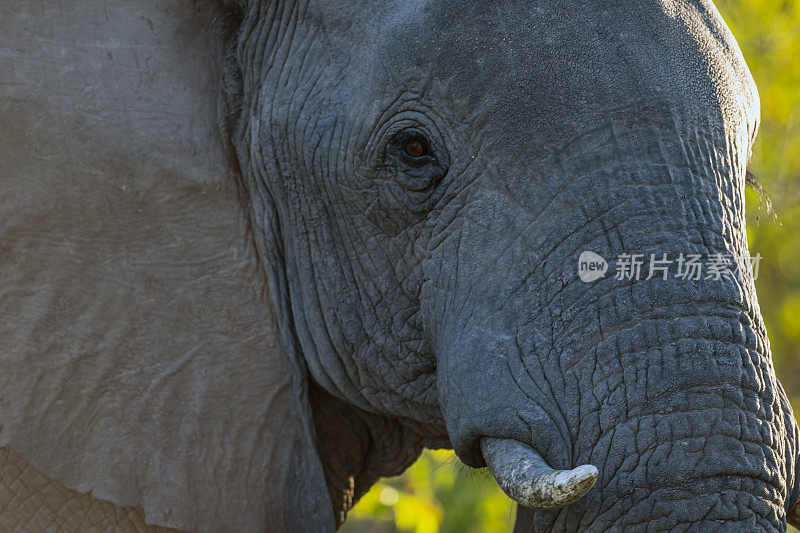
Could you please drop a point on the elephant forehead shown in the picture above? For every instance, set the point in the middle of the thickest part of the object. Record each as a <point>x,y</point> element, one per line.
<point>526,63</point>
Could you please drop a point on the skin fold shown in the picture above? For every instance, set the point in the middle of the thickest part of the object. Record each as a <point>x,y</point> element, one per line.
<point>311,238</point>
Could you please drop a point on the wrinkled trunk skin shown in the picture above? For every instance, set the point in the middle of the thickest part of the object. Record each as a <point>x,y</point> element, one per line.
<point>666,386</point>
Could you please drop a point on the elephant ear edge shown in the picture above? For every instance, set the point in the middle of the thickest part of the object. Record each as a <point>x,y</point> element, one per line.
<point>140,360</point>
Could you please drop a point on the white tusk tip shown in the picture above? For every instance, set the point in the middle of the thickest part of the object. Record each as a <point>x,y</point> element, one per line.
<point>573,484</point>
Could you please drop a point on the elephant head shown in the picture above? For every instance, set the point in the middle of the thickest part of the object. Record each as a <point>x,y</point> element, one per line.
<point>257,255</point>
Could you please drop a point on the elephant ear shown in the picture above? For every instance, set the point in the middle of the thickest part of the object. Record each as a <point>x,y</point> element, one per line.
<point>140,359</point>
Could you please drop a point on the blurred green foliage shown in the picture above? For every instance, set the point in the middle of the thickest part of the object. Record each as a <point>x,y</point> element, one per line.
<point>768,33</point>
<point>438,493</point>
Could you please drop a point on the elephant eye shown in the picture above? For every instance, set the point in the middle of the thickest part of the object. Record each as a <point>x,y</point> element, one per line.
<point>411,156</point>
<point>416,148</point>
<point>413,148</point>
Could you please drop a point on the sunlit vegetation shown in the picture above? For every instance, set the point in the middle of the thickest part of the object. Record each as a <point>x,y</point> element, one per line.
<point>437,493</point>
<point>440,494</point>
<point>769,36</point>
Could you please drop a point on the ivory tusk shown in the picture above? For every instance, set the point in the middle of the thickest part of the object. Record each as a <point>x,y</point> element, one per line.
<point>524,475</point>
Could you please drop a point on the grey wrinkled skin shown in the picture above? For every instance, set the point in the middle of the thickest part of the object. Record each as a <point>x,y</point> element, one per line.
<point>317,305</point>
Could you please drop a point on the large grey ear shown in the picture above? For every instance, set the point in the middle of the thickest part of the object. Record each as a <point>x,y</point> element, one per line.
<point>139,357</point>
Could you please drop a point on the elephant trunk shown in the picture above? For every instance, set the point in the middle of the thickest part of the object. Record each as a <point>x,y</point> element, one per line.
<point>661,379</point>
<point>528,480</point>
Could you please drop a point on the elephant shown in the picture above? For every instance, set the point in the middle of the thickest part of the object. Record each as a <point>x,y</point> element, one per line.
<point>257,254</point>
